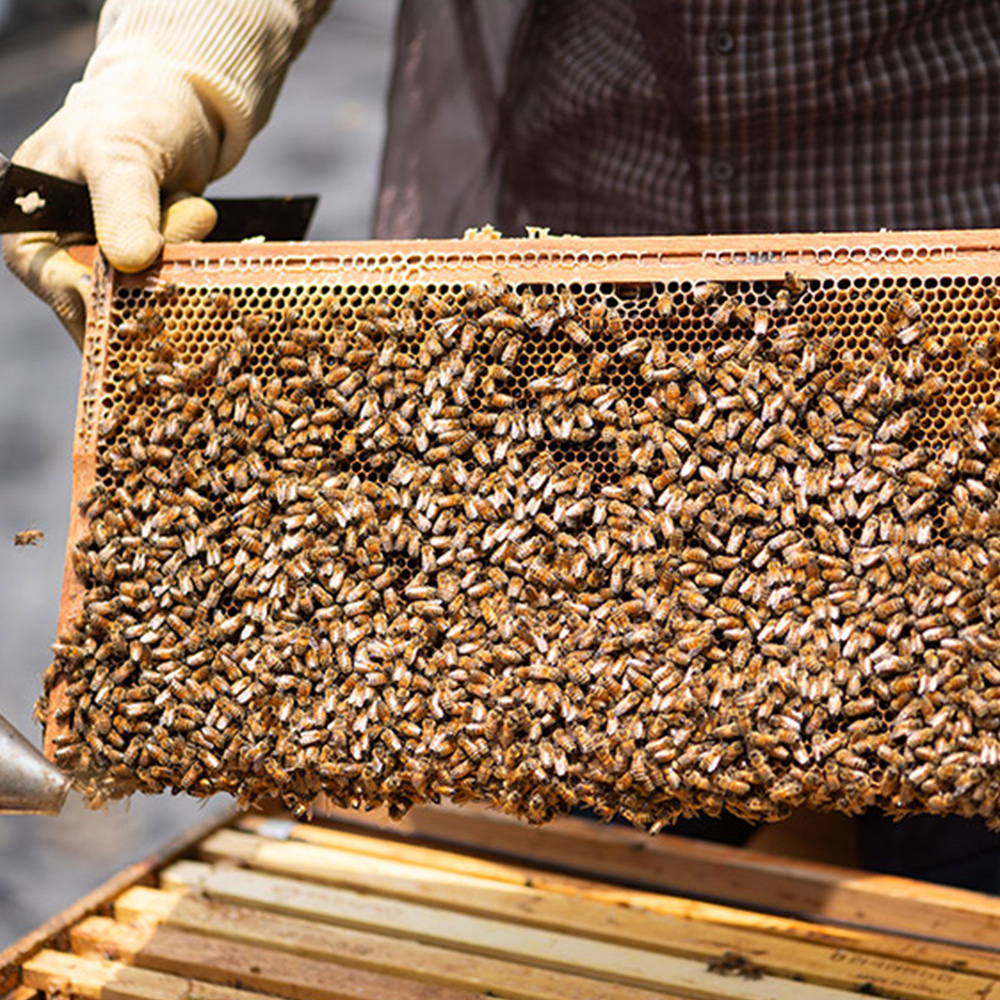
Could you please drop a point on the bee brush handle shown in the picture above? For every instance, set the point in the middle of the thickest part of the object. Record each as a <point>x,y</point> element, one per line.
<point>28,782</point>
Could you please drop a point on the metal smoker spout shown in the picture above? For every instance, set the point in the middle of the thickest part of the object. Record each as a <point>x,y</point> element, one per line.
<point>28,782</point>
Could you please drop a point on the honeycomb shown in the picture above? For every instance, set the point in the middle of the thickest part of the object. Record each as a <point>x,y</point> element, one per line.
<point>694,539</point>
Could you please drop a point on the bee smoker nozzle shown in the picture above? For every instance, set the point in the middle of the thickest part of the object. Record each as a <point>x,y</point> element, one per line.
<point>28,782</point>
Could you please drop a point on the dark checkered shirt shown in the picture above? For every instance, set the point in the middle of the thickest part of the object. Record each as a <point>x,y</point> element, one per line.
<point>600,117</point>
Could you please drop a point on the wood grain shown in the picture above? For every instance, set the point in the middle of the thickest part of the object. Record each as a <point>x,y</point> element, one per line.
<point>60,973</point>
<point>446,966</point>
<point>504,939</point>
<point>228,963</point>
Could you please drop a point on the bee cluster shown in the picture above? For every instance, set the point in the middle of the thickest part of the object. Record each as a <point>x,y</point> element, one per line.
<point>532,547</point>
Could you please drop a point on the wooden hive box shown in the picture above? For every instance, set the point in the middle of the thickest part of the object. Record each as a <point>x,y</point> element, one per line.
<point>463,903</point>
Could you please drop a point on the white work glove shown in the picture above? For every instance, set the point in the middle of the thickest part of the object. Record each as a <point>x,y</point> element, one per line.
<point>169,100</point>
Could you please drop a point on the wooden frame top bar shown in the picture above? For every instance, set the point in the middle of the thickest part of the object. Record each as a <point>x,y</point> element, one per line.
<point>569,259</point>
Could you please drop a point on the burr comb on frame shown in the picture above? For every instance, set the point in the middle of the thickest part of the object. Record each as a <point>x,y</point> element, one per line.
<point>655,526</point>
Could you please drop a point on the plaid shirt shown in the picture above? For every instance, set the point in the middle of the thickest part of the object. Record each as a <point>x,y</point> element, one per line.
<point>709,116</point>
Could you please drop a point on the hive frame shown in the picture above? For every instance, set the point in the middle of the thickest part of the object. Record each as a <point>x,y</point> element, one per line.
<point>841,257</point>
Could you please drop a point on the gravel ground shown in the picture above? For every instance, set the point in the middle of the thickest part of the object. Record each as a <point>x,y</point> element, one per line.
<point>324,137</point>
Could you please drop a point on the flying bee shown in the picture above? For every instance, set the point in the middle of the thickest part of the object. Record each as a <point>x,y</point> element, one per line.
<point>29,537</point>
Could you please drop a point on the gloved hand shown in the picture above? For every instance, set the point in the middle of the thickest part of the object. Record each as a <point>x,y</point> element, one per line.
<point>127,140</point>
<point>169,101</point>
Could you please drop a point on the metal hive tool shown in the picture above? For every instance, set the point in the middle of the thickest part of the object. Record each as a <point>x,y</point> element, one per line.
<point>653,526</point>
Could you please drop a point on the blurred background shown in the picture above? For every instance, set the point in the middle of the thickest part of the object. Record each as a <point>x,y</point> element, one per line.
<point>324,137</point>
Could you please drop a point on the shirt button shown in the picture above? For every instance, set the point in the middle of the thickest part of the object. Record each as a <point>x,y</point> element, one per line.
<point>722,42</point>
<point>722,171</point>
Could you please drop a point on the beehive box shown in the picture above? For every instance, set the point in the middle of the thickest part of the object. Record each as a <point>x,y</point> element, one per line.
<point>651,526</point>
<point>455,904</point>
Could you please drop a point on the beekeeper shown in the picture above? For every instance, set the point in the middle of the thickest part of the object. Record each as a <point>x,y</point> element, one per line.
<point>589,116</point>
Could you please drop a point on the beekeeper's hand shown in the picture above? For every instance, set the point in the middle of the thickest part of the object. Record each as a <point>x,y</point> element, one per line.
<point>127,147</point>
<point>169,101</point>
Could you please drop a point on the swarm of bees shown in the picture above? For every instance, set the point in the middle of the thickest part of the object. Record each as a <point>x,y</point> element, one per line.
<point>525,546</point>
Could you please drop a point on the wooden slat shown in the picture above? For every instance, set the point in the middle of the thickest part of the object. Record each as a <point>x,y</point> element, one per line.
<point>765,256</point>
<point>445,923</point>
<point>166,949</point>
<point>509,941</point>
<point>710,921</point>
<point>529,905</point>
<point>68,975</point>
<point>736,875</point>
<point>396,956</point>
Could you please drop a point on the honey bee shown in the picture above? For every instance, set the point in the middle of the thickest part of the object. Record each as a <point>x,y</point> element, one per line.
<point>794,284</point>
<point>576,333</point>
<point>565,363</point>
<point>908,305</point>
<point>597,317</point>
<point>665,305</point>
<point>633,348</point>
<point>723,314</point>
<point>705,291</point>
<point>149,323</point>
<point>31,536</point>
<point>731,785</point>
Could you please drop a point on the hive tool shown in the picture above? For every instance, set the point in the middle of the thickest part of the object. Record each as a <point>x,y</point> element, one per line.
<point>31,200</point>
